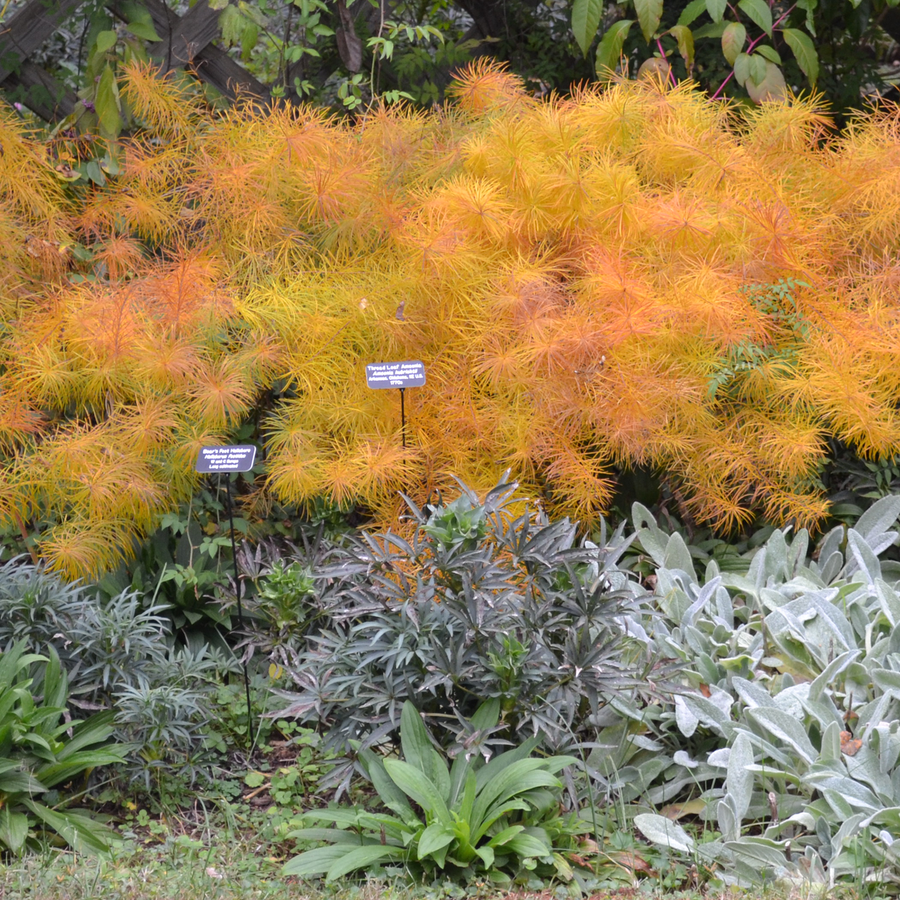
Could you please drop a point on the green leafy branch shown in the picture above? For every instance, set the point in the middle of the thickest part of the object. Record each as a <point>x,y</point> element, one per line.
<point>757,69</point>
<point>777,302</point>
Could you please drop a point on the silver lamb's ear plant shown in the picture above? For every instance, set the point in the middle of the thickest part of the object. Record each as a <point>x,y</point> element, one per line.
<point>792,674</point>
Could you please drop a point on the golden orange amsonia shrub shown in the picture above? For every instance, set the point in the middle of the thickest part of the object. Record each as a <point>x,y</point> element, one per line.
<point>631,275</point>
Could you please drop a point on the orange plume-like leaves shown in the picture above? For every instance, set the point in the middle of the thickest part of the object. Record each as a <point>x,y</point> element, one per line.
<point>629,276</point>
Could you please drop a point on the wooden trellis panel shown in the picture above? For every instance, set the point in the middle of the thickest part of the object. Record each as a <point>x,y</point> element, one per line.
<point>21,36</point>
<point>186,43</point>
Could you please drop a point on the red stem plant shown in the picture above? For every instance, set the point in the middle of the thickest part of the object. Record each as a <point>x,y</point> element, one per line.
<point>577,276</point>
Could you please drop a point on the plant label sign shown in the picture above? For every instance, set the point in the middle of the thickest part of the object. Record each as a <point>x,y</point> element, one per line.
<point>395,375</point>
<point>238,458</point>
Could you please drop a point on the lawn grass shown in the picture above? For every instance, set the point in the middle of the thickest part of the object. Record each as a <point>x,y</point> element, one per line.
<point>232,853</point>
<point>239,869</point>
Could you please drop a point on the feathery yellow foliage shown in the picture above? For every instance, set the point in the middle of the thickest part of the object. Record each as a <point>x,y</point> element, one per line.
<point>630,276</point>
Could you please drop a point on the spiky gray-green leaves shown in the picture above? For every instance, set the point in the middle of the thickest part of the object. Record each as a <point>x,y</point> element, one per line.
<point>482,600</point>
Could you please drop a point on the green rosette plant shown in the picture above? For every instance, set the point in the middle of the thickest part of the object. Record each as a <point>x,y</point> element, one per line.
<point>40,750</point>
<point>493,819</point>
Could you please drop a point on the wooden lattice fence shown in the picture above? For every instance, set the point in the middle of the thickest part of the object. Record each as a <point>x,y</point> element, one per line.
<point>186,43</point>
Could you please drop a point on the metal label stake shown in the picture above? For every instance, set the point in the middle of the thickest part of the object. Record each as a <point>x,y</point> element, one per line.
<point>399,375</point>
<point>225,460</point>
<point>403,416</point>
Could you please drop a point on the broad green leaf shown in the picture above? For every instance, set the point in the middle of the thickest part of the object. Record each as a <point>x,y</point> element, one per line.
<point>742,69</point>
<point>758,12</point>
<point>610,49</point>
<point>314,862</point>
<point>76,763</point>
<point>363,857</point>
<point>135,11</point>
<point>356,819</point>
<point>505,781</point>
<point>664,832</point>
<point>554,764</point>
<point>486,716</point>
<point>106,40</point>
<point>649,13</point>
<point>468,798</point>
<point>710,30</point>
<point>95,730</point>
<point>419,752</point>
<point>522,776</point>
<point>757,69</point>
<point>435,837</point>
<point>685,40</point>
<point>249,40</point>
<point>38,746</point>
<point>107,104</point>
<point>497,811</point>
<point>78,830</point>
<point>21,781</point>
<point>392,826</point>
<point>460,771</point>
<point>528,846</point>
<point>332,835</point>
<point>690,13</point>
<point>808,60</point>
<point>13,829</point>
<point>809,6</point>
<point>143,30</point>
<point>507,834</point>
<point>56,686</point>
<point>585,21</point>
<point>388,792</point>
<point>733,41</point>
<point>716,9</point>
<point>504,760</point>
<point>770,53</point>
<point>415,785</point>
